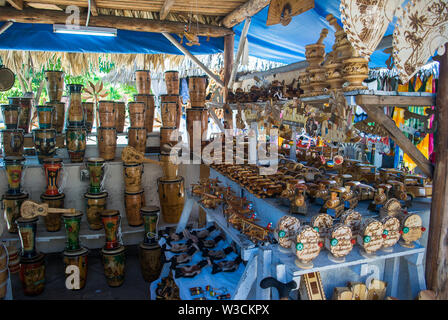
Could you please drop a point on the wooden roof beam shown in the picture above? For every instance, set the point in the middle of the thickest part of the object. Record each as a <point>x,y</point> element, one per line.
<point>124,23</point>
<point>248,9</point>
<point>18,4</point>
<point>166,8</point>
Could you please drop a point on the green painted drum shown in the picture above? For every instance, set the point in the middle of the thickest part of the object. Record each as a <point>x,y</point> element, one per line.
<point>45,116</point>
<point>14,170</point>
<point>111,222</point>
<point>114,265</point>
<point>11,209</point>
<point>95,205</point>
<point>96,174</point>
<point>76,143</point>
<point>150,261</point>
<point>150,216</point>
<point>79,259</point>
<point>53,219</point>
<point>32,274</point>
<point>72,223</point>
<point>27,234</point>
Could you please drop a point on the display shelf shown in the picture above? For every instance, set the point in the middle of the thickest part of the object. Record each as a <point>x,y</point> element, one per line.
<point>242,241</point>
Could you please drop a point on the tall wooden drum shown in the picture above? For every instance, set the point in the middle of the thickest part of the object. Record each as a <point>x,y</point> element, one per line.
<point>197,114</point>
<point>143,81</point>
<point>148,100</point>
<point>107,143</point>
<point>168,111</point>
<point>172,82</point>
<point>107,114</point>
<point>150,261</point>
<point>173,98</point>
<point>137,113</point>
<point>169,136</point>
<point>120,110</point>
<point>137,138</point>
<point>172,198</point>
<point>197,88</point>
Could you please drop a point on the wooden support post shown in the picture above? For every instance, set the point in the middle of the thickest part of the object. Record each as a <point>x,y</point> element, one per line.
<point>192,57</point>
<point>124,23</point>
<point>248,9</point>
<point>239,53</point>
<point>18,4</point>
<point>247,280</point>
<point>166,8</point>
<point>229,42</point>
<point>437,253</point>
<point>212,113</point>
<point>377,114</point>
<point>204,173</point>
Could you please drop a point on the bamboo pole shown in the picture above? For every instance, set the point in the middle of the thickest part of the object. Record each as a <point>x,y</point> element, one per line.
<point>192,57</point>
<point>239,53</point>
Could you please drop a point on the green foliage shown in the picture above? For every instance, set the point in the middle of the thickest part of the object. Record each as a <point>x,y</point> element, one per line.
<point>116,91</point>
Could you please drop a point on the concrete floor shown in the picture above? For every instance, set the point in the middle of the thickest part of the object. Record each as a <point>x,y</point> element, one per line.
<point>96,288</point>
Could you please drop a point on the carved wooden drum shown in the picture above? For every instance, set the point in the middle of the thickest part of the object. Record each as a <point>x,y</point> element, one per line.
<point>172,198</point>
<point>143,81</point>
<point>169,136</point>
<point>173,98</point>
<point>107,143</point>
<point>169,114</point>
<point>148,100</point>
<point>172,82</point>
<point>197,89</point>
<point>120,113</point>
<point>199,115</point>
<point>137,112</point>
<point>133,176</point>
<point>107,114</point>
<point>137,138</point>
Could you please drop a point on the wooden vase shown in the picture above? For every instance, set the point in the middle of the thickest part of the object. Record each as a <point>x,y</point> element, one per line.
<point>172,198</point>
<point>32,274</point>
<point>150,216</point>
<point>44,143</point>
<point>197,88</point>
<point>95,205</point>
<point>25,105</point>
<point>77,258</point>
<point>11,209</point>
<point>11,115</point>
<point>150,261</point>
<point>133,202</point>
<point>120,113</point>
<point>45,116</point>
<point>75,139</point>
<point>143,81</point>
<point>137,138</point>
<point>55,85</point>
<point>27,234</point>
<point>53,219</point>
<point>75,116</point>
<point>114,265</point>
<point>96,174</point>
<point>13,142</point>
<point>107,143</point>
<point>52,169</point>
<point>72,223</point>
<point>111,221</point>
<point>133,176</point>
<point>14,170</point>
<point>107,114</point>
<point>172,82</point>
<point>88,108</point>
<point>148,100</point>
<point>58,115</point>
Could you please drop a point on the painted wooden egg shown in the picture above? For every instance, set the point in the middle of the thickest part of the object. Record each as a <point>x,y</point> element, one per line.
<point>352,219</point>
<point>391,231</point>
<point>287,227</point>
<point>339,240</point>
<point>307,244</point>
<point>371,235</point>
<point>411,227</point>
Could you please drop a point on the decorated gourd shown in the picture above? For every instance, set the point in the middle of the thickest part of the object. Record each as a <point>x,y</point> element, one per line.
<point>391,231</point>
<point>339,241</point>
<point>307,247</point>
<point>287,227</point>
<point>370,237</point>
<point>411,229</point>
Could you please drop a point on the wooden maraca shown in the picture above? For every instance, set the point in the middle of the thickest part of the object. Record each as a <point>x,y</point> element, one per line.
<point>31,209</point>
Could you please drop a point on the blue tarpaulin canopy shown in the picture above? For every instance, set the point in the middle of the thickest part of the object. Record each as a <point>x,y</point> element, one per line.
<point>285,44</point>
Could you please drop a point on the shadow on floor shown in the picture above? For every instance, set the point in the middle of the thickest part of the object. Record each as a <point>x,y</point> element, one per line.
<point>96,288</point>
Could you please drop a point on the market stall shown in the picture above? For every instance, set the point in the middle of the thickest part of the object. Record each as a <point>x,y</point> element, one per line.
<point>319,179</point>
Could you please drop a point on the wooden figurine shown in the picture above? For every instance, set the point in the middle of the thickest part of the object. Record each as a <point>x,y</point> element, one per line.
<point>417,186</point>
<point>364,191</point>
<point>376,290</point>
<point>391,207</point>
<point>350,198</point>
<point>411,229</point>
<point>398,191</point>
<point>352,219</point>
<point>307,246</point>
<point>358,289</point>
<point>391,232</point>
<point>379,199</point>
<point>342,293</point>
<point>286,230</point>
<point>339,242</point>
<point>322,223</point>
<point>334,206</point>
<point>370,237</point>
